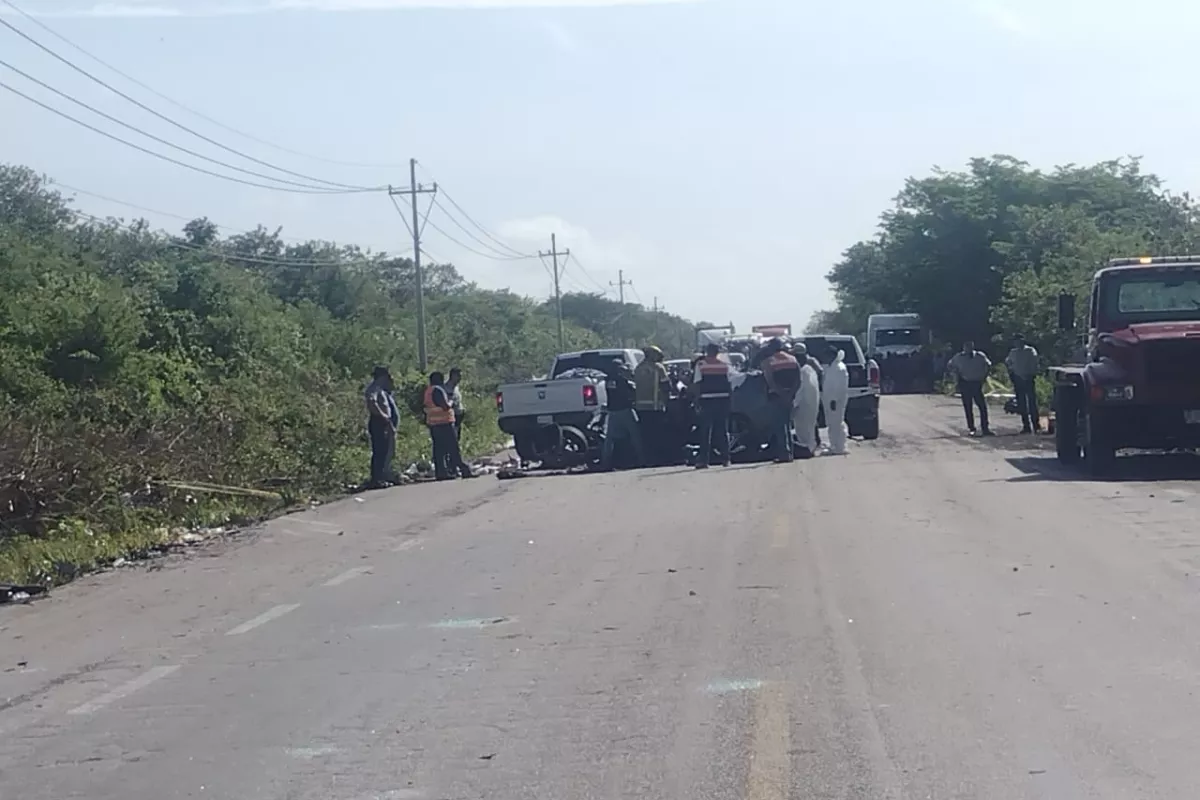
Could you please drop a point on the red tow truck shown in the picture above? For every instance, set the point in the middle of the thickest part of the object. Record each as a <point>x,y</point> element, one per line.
<point>1139,385</point>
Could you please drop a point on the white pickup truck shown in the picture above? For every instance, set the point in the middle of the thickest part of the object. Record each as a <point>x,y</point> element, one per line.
<point>550,419</point>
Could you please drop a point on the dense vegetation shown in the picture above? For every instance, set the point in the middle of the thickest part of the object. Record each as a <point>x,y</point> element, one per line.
<point>983,253</point>
<point>134,363</point>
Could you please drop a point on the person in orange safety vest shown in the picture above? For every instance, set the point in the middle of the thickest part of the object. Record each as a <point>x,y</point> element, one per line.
<point>439,416</point>
<point>782,372</point>
<point>713,382</point>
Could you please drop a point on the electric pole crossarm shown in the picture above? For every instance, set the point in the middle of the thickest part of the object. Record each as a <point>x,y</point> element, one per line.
<point>554,254</point>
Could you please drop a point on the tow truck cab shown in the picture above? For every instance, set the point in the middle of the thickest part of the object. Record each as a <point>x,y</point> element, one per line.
<point>1140,384</point>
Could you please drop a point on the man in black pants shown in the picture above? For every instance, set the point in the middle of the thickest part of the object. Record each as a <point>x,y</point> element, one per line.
<point>972,367</point>
<point>439,416</point>
<point>382,419</point>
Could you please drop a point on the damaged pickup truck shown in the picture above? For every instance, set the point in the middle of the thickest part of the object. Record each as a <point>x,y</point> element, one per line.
<point>1140,384</point>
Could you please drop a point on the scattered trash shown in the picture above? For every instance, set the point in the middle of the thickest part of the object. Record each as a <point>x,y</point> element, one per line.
<point>691,594</point>
<point>1024,613</point>
<point>1037,772</point>
<point>1015,569</point>
<point>10,593</point>
<point>487,757</point>
<point>672,569</point>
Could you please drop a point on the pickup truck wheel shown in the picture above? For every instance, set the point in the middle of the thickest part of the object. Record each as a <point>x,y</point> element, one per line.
<point>1098,454</point>
<point>526,448</point>
<point>1066,429</point>
<point>869,429</point>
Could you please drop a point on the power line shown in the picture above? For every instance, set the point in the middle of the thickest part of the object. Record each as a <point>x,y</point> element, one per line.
<point>512,252</point>
<point>166,158</point>
<point>151,136</point>
<point>161,213</point>
<point>470,249</point>
<point>603,289</point>
<point>180,105</point>
<point>164,117</point>
<point>481,229</point>
<point>281,261</point>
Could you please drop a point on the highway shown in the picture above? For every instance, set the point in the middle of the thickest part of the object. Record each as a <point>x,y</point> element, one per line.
<point>930,616</point>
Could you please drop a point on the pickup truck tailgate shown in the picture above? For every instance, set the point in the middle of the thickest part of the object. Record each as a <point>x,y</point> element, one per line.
<point>546,398</point>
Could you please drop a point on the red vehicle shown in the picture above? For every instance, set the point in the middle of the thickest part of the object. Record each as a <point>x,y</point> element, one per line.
<point>771,331</point>
<point>1140,385</point>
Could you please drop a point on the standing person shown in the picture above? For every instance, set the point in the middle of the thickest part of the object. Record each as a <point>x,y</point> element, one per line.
<point>653,389</point>
<point>782,373</point>
<point>713,382</point>
<point>382,418</point>
<point>837,392</point>
<point>439,416</point>
<point>620,421</point>
<point>454,391</point>
<point>1022,363</point>
<point>972,367</point>
<point>807,403</point>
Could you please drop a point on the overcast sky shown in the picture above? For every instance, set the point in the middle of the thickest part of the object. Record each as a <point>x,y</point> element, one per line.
<point>721,153</point>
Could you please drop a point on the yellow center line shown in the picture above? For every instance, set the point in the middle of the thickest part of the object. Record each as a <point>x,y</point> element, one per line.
<point>770,768</point>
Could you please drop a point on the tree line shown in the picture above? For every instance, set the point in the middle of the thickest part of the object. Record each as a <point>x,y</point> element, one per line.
<point>983,253</point>
<point>132,360</point>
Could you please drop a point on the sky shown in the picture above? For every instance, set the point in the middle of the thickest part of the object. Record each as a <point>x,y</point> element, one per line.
<point>718,154</point>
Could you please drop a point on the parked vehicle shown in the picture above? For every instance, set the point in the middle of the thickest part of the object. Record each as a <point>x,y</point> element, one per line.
<point>862,409</point>
<point>899,344</point>
<point>1140,384</point>
<point>557,421</point>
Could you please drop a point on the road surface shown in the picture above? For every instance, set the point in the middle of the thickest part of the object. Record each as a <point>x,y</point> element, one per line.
<point>928,617</point>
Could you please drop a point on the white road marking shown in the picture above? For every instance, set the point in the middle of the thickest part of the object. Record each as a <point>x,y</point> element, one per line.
<point>479,622</point>
<point>1180,492</point>
<point>407,544</point>
<point>308,753</point>
<point>730,686</point>
<point>348,575</point>
<point>140,682</point>
<point>263,619</point>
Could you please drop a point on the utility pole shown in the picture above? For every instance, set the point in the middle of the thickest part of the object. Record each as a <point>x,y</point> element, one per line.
<point>656,318</point>
<point>621,284</point>
<point>412,191</point>
<point>554,254</point>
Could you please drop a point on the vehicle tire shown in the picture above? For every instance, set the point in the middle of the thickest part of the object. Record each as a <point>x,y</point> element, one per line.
<point>869,429</point>
<point>1098,453</point>
<point>526,448</point>
<point>1066,427</point>
<point>572,450</point>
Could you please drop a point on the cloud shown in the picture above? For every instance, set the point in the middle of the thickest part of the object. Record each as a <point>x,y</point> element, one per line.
<point>560,36</point>
<point>208,8</point>
<point>1001,16</point>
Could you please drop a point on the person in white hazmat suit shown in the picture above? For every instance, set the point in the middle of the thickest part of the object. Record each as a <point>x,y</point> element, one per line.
<point>807,404</point>
<point>837,392</point>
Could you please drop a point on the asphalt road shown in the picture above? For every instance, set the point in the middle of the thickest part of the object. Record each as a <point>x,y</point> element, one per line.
<point>928,617</point>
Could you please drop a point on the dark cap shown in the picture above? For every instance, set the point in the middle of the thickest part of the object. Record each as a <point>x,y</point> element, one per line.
<point>381,372</point>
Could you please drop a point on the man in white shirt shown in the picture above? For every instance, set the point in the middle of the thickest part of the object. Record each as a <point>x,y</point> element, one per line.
<point>1022,363</point>
<point>972,367</point>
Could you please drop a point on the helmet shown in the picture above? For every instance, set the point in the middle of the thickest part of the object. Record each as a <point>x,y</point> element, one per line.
<point>774,345</point>
<point>800,350</point>
<point>653,352</point>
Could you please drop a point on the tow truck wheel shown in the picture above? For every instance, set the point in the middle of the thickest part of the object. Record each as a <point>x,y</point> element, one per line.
<point>1066,430</point>
<point>869,429</point>
<point>1098,454</point>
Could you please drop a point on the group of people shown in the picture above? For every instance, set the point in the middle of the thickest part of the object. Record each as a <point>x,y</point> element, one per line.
<point>442,407</point>
<point>638,413</point>
<point>971,368</point>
